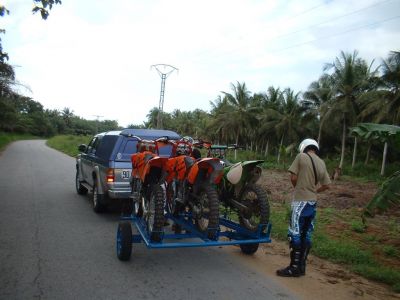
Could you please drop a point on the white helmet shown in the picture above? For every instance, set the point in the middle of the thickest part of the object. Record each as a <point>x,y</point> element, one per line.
<point>307,142</point>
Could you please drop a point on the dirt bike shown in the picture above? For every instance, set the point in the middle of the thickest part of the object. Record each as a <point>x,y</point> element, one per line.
<point>238,191</point>
<point>146,185</point>
<point>190,188</point>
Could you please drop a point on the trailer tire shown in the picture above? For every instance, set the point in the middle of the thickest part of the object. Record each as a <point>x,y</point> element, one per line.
<point>124,241</point>
<point>211,222</point>
<point>249,249</point>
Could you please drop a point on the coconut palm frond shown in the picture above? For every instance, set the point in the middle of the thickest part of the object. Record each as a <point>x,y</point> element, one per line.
<point>386,197</point>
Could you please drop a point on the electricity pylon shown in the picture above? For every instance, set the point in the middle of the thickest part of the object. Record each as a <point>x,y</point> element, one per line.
<point>164,73</point>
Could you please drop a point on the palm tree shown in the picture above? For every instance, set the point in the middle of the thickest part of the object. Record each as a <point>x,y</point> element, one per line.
<point>272,102</point>
<point>238,114</point>
<point>350,79</point>
<point>383,104</point>
<point>67,114</point>
<point>316,101</point>
<point>284,118</point>
<point>219,117</point>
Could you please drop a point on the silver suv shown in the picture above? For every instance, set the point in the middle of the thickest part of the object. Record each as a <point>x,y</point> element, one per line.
<point>103,167</point>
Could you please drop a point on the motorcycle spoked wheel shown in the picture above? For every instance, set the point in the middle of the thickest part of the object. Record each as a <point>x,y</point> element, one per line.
<point>172,207</point>
<point>153,213</point>
<point>138,199</point>
<point>208,220</point>
<point>255,199</point>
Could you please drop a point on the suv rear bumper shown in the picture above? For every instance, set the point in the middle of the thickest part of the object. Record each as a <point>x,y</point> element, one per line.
<point>119,194</point>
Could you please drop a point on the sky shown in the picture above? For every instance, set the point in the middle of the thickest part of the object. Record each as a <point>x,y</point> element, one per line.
<point>95,57</point>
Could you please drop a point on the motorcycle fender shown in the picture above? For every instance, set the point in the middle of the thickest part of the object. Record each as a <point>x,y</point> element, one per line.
<point>213,166</point>
<point>157,161</point>
<point>235,173</point>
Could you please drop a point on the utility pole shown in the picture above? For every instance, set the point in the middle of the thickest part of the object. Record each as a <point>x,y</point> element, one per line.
<point>164,73</point>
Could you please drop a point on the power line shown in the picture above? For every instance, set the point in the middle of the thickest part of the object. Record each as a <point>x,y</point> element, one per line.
<point>337,34</point>
<point>307,11</point>
<point>330,20</point>
<point>287,19</point>
<point>316,25</point>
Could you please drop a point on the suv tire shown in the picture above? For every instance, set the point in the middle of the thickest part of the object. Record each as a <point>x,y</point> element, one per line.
<point>97,199</point>
<point>80,189</point>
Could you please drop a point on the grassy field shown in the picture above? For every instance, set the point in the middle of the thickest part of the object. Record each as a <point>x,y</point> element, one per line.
<point>6,138</point>
<point>68,143</point>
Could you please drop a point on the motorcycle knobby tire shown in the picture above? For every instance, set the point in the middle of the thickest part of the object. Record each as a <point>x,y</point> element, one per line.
<point>261,204</point>
<point>213,216</point>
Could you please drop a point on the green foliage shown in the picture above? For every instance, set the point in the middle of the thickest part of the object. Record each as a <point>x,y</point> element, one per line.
<point>23,115</point>
<point>382,274</point>
<point>387,196</point>
<point>44,6</point>
<point>339,251</point>
<point>358,226</point>
<point>280,221</point>
<point>391,251</point>
<point>68,143</point>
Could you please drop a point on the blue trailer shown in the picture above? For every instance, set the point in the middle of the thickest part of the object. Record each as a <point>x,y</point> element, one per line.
<point>229,233</point>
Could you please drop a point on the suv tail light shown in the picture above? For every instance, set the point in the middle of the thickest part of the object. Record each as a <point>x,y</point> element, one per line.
<point>110,176</point>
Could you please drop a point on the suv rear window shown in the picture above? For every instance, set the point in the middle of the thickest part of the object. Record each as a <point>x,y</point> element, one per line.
<point>106,146</point>
<point>130,148</point>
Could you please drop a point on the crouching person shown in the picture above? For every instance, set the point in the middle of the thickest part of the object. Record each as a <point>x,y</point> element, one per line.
<point>309,176</point>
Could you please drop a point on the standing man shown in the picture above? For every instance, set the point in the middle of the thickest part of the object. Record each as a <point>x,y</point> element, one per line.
<point>306,171</point>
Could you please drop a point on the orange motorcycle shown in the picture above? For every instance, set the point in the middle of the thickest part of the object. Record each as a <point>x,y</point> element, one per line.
<point>147,191</point>
<point>190,187</point>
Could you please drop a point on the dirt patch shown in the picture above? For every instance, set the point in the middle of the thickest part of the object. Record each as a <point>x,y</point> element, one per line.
<point>342,194</point>
<point>324,280</point>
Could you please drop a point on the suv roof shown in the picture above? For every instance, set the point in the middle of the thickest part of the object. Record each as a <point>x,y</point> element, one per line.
<point>150,133</point>
<point>145,133</point>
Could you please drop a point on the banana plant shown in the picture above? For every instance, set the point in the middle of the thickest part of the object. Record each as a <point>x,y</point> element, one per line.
<point>382,132</point>
<point>387,196</point>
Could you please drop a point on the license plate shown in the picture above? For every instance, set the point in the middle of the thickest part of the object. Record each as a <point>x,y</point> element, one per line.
<point>126,174</point>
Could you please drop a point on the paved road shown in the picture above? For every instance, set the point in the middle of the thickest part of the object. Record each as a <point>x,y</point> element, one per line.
<point>53,246</point>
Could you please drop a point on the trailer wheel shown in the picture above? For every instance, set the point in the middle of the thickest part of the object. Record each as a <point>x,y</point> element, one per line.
<point>154,213</point>
<point>209,206</point>
<point>124,241</point>
<point>255,199</point>
<point>249,249</point>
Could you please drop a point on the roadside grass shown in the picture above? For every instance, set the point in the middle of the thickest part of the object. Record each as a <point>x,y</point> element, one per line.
<point>6,138</point>
<point>68,143</point>
<point>341,237</point>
